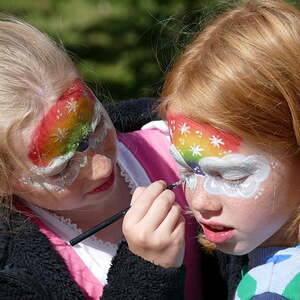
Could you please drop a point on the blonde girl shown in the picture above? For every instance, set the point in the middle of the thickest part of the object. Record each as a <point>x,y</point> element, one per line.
<point>232,102</point>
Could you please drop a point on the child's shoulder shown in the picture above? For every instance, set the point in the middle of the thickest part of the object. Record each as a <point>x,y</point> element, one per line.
<point>279,274</point>
<point>154,134</point>
<point>285,254</point>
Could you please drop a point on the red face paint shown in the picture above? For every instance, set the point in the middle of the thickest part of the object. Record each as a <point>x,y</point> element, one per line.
<point>65,125</point>
<point>195,141</point>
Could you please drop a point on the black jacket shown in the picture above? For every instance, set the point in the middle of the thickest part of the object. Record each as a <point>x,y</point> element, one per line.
<point>31,269</point>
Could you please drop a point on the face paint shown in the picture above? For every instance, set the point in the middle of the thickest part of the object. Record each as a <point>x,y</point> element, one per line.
<point>67,129</point>
<point>30,181</point>
<point>196,141</point>
<point>238,175</point>
<point>66,126</point>
<point>66,177</point>
<point>193,142</point>
<point>185,169</point>
<point>204,150</point>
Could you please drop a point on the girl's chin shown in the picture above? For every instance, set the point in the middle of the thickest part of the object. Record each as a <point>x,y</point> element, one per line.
<point>234,249</point>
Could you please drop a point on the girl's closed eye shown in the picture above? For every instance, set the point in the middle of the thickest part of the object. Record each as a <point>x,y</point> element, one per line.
<point>231,176</point>
<point>236,181</point>
<point>60,171</point>
<point>70,172</point>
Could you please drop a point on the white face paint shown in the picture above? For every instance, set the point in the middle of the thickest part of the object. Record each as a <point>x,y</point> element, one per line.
<point>234,175</point>
<point>63,170</point>
<point>104,124</point>
<point>65,177</point>
<point>184,169</point>
<point>30,181</point>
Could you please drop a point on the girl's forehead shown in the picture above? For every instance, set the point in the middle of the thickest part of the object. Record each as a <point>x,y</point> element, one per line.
<point>196,140</point>
<point>62,124</point>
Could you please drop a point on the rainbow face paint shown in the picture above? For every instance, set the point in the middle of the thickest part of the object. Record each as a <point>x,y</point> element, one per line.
<point>206,151</point>
<point>68,129</point>
<point>66,125</point>
<point>195,141</point>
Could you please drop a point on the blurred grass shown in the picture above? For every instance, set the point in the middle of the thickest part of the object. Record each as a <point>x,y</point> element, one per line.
<point>121,47</point>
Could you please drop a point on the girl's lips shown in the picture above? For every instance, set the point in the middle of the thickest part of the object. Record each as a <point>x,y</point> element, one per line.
<point>105,186</point>
<point>217,234</point>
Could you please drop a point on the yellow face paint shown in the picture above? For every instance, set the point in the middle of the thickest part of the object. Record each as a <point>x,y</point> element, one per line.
<point>195,141</point>
<point>66,126</point>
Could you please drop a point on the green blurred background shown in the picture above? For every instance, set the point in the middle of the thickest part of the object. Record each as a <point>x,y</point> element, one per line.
<point>122,47</point>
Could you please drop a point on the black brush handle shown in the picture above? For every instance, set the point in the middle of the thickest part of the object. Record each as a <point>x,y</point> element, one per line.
<point>109,221</point>
<point>98,227</point>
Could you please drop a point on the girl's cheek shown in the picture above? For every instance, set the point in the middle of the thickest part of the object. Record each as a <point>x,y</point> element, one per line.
<point>188,196</point>
<point>192,188</point>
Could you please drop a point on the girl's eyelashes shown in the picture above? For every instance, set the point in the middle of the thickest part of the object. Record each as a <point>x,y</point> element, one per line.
<point>233,179</point>
<point>184,171</point>
<point>83,145</point>
<point>236,181</point>
<point>62,170</point>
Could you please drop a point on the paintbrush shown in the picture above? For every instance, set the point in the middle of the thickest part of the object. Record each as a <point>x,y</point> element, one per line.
<point>113,219</point>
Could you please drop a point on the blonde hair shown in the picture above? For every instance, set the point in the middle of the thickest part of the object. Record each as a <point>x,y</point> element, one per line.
<point>242,74</point>
<point>33,68</point>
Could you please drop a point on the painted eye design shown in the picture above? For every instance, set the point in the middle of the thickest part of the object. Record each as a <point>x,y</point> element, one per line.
<point>61,170</point>
<point>235,178</point>
<point>83,144</point>
<point>70,172</point>
<point>231,179</point>
<point>236,181</point>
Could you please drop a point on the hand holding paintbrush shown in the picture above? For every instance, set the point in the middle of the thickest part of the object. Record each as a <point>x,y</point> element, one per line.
<point>154,225</point>
<point>112,219</point>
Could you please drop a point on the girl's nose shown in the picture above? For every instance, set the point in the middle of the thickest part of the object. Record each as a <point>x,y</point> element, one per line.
<point>97,167</point>
<point>206,204</point>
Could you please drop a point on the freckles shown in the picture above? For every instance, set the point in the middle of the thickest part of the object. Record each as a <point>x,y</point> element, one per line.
<point>189,197</point>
